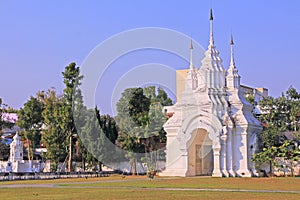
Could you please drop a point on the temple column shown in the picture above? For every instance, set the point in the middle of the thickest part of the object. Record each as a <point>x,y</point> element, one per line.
<point>229,156</point>
<point>252,148</point>
<point>223,156</point>
<point>217,170</point>
<point>243,170</point>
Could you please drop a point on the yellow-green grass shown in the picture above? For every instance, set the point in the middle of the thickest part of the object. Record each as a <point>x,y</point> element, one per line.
<point>139,187</point>
<point>93,193</point>
<point>69,180</point>
<point>207,182</point>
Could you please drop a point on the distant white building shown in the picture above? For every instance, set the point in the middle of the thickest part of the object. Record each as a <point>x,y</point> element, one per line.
<point>258,94</point>
<point>10,117</point>
<point>8,132</point>
<point>212,130</point>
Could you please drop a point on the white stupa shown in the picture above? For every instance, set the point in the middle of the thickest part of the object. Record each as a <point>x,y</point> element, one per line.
<point>16,149</point>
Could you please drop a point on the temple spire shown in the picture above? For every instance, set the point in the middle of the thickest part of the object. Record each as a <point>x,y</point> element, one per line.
<point>232,64</point>
<point>211,17</point>
<point>191,55</point>
<point>233,78</point>
<point>211,38</point>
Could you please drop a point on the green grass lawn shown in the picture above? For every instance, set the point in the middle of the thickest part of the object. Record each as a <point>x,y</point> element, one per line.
<point>71,180</point>
<point>207,182</point>
<point>142,188</point>
<point>88,193</point>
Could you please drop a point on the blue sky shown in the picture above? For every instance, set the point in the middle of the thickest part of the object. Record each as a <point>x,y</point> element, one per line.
<point>39,38</point>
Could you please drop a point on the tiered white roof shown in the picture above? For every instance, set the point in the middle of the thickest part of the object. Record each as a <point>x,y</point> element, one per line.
<point>212,72</point>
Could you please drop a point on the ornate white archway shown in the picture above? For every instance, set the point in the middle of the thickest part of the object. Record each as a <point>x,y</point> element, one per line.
<point>213,126</point>
<point>202,120</point>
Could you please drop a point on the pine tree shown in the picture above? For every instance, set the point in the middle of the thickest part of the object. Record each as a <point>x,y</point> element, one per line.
<point>99,136</point>
<point>72,98</point>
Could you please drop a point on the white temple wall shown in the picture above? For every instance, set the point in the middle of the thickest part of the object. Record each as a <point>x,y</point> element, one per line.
<point>20,166</point>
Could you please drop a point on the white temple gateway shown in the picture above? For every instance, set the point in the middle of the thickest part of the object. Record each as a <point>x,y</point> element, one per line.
<point>212,130</point>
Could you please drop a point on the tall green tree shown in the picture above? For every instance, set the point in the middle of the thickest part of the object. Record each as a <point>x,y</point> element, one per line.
<point>139,106</point>
<point>140,120</point>
<point>108,126</point>
<point>162,97</point>
<point>107,139</point>
<point>99,136</point>
<point>89,140</point>
<point>293,98</point>
<point>154,135</point>
<point>72,98</point>
<point>30,118</point>
<point>133,108</point>
<point>275,112</point>
<point>54,134</point>
<point>150,92</point>
<point>280,115</point>
<point>4,151</point>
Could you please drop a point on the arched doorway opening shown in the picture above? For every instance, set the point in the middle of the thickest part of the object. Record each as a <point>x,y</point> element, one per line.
<point>200,154</point>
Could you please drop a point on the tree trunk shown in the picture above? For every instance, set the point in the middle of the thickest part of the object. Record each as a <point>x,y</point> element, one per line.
<point>292,168</point>
<point>100,166</point>
<point>28,149</point>
<point>82,163</point>
<point>70,155</point>
<point>133,167</point>
<point>271,168</point>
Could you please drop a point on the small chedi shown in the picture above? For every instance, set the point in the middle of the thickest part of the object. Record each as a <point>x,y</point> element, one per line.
<point>15,162</point>
<point>212,130</point>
